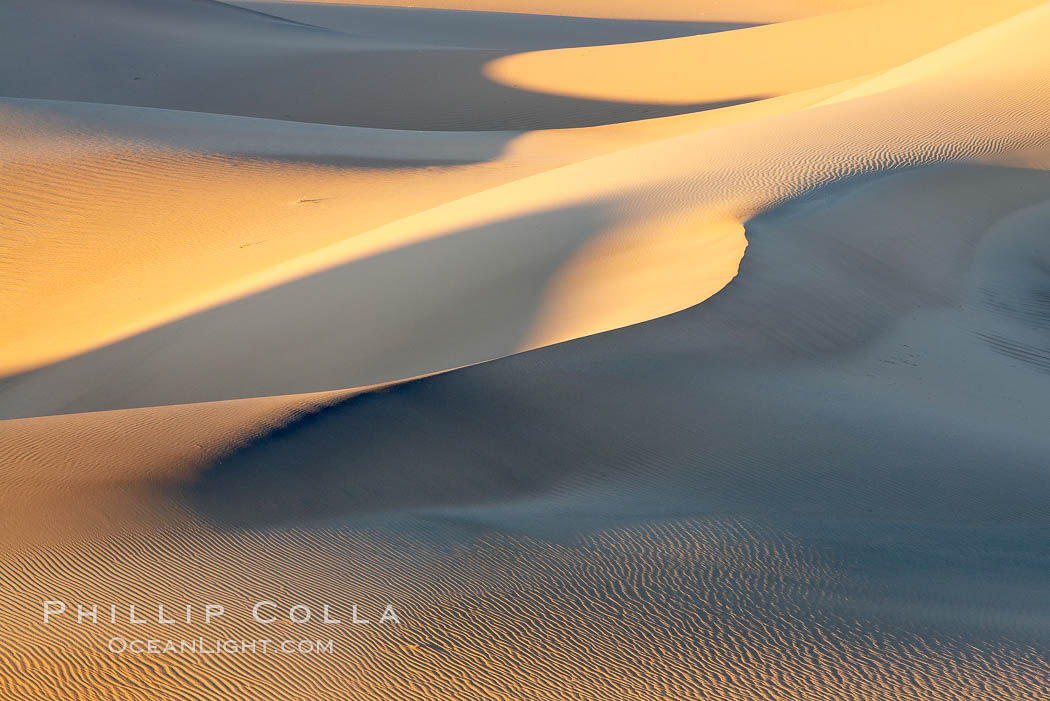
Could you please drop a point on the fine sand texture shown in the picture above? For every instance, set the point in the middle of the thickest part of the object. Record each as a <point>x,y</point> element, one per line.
<point>628,350</point>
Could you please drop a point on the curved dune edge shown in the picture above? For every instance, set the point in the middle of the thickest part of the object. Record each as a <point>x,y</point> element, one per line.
<point>529,586</point>
<point>828,481</point>
<point>630,275</point>
<point>768,60</point>
<point>269,214</point>
<point>525,231</point>
<point>280,222</point>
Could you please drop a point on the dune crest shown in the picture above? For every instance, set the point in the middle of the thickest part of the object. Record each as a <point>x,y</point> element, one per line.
<point>761,61</point>
<point>629,350</point>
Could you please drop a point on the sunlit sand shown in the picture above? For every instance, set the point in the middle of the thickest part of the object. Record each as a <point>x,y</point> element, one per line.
<point>630,350</point>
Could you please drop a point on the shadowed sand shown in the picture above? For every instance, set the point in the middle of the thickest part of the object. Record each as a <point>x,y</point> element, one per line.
<point>257,354</point>
<point>184,55</point>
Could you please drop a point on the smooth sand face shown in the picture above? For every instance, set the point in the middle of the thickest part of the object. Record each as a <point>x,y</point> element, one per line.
<point>736,66</point>
<point>267,276</point>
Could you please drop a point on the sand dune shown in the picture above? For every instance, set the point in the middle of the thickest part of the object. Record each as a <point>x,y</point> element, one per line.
<point>630,350</point>
<point>763,61</point>
<point>184,55</point>
<point>109,485</point>
<point>636,233</point>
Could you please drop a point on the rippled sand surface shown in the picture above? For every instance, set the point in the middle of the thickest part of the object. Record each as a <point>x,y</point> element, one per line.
<point>627,350</point>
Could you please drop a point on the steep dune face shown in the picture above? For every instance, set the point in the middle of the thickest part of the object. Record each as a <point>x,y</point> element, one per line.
<point>262,317</point>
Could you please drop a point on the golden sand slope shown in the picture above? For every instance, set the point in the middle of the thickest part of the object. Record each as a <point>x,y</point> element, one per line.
<point>826,482</point>
<point>150,233</point>
<point>760,61</point>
